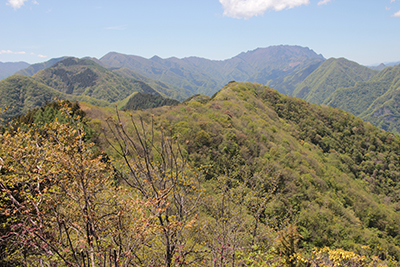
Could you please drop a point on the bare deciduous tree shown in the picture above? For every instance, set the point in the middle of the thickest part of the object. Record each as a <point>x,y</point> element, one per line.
<point>157,170</point>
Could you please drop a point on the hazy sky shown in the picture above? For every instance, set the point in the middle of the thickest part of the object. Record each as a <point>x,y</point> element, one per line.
<point>367,31</point>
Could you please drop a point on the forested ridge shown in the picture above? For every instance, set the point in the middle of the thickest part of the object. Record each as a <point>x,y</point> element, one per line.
<point>366,92</point>
<point>247,177</point>
<point>85,77</point>
<point>78,80</point>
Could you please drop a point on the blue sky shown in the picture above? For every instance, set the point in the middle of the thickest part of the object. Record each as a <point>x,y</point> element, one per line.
<point>367,31</point>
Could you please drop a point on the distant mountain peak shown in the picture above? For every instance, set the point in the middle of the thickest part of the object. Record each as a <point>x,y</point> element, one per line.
<point>156,59</point>
<point>283,50</point>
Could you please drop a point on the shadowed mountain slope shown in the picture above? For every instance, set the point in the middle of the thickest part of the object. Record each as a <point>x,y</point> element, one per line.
<point>147,101</point>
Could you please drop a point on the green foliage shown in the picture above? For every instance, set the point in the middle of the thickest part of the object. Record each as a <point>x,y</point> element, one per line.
<point>329,76</point>
<point>345,85</point>
<point>73,79</point>
<point>333,174</point>
<point>83,77</point>
<point>49,113</point>
<point>146,101</point>
<point>282,177</point>
<point>21,94</point>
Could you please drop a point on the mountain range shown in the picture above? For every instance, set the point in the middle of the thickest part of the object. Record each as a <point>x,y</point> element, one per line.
<point>384,65</point>
<point>203,76</point>
<point>278,175</point>
<point>193,75</point>
<point>73,79</point>
<point>291,70</point>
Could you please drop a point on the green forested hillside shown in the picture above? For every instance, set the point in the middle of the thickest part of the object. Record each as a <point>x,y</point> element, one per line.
<point>292,70</point>
<point>84,77</point>
<point>374,100</point>
<point>19,94</point>
<point>357,99</point>
<point>384,112</point>
<point>146,101</point>
<point>329,76</point>
<point>333,176</point>
<point>246,177</point>
<point>366,93</point>
<point>74,79</point>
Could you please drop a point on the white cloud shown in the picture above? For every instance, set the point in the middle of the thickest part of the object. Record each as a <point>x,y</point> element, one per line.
<point>397,14</point>
<point>323,2</point>
<point>249,8</point>
<point>16,3</point>
<point>9,52</point>
<point>19,3</point>
<point>391,1</point>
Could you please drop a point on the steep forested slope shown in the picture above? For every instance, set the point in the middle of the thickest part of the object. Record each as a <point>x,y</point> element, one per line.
<point>146,101</point>
<point>375,100</point>
<point>20,93</point>
<point>84,77</point>
<point>246,177</point>
<point>75,79</point>
<point>329,173</point>
<point>329,76</point>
